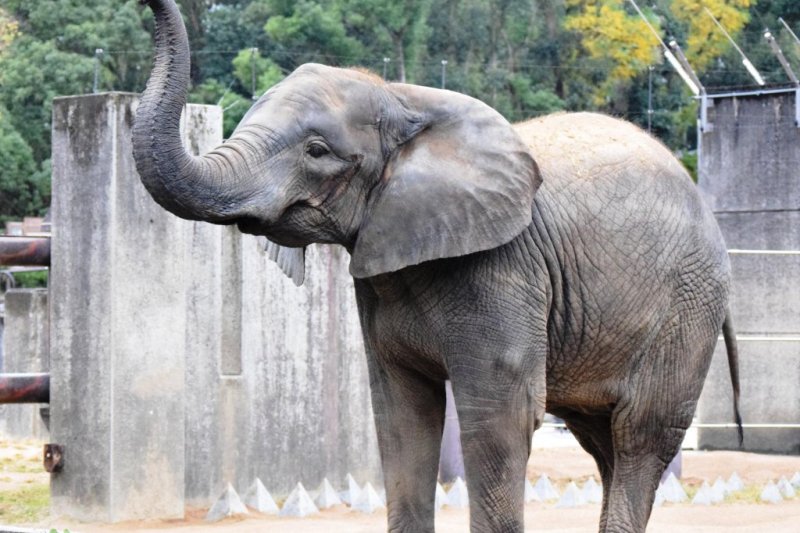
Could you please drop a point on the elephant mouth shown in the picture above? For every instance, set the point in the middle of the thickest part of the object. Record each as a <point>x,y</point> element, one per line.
<point>287,230</point>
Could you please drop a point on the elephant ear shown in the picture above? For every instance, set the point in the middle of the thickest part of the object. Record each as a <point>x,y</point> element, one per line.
<point>459,181</point>
<point>291,261</point>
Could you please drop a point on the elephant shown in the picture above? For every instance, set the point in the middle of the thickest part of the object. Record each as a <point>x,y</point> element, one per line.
<point>566,264</point>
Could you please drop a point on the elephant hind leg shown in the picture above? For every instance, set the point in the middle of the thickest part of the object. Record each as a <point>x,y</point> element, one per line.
<point>644,444</point>
<point>593,433</point>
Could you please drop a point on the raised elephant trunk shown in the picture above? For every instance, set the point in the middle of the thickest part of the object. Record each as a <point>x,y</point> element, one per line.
<point>193,188</point>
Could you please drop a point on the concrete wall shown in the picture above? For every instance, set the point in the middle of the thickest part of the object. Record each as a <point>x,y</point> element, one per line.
<point>182,358</point>
<point>27,349</point>
<point>750,174</point>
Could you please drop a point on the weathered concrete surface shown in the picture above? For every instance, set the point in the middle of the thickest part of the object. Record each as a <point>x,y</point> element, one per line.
<point>749,172</point>
<point>299,410</point>
<point>184,359</point>
<point>118,325</point>
<point>750,161</point>
<point>306,348</point>
<point>27,349</point>
<point>765,297</point>
<point>770,376</point>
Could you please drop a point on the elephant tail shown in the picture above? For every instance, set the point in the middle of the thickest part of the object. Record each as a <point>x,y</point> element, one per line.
<point>729,335</point>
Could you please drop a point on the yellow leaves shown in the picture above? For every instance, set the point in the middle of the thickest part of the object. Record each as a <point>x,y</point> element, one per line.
<point>705,42</point>
<point>609,32</point>
<point>9,28</point>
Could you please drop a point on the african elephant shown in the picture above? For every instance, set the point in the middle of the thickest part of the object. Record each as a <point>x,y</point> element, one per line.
<point>566,264</point>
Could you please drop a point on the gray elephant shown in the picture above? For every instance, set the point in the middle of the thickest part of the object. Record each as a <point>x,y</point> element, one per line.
<point>566,264</point>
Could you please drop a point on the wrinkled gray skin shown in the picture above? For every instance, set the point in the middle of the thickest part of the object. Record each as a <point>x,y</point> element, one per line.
<point>597,296</point>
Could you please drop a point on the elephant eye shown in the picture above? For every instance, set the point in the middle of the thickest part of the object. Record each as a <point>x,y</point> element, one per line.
<point>317,149</point>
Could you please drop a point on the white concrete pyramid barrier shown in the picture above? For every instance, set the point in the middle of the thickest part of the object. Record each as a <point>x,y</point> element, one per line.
<point>382,494</point>
<point>258,498</point>
<point>440,499</point>
<point>352,492</point>
<point>719,490</point>
<point>771,494</point>
<point>795,481</point>
<point>673,491</point>
<point>299,503</point>
<point>368,500</point>
<point>786,489</point>
<point>530,493</point>
<point>704,496</point>
<point>545,489</point>
<point>592,492</point>
<point>326,496</point>
<point>734,483</point>
<point>572,497</point>
<point>228,504</point>
<point>458,496</point>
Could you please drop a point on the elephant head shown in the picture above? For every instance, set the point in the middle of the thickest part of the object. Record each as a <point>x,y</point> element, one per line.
<point>398,174</point>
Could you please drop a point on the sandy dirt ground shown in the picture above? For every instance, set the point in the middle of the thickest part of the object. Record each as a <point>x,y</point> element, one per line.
<point>562,465</point>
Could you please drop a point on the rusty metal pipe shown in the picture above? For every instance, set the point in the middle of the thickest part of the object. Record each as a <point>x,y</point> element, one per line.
<point>24,251</point>
<point>25,388</point>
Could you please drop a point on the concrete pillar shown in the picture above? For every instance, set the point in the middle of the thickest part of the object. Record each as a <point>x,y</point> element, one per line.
<point>26,347</point>
<point>120,267</point>
<point>748,172</point>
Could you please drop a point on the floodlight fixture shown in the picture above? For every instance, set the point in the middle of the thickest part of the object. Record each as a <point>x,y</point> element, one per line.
<point>694,87</point>
<point>746,62</point>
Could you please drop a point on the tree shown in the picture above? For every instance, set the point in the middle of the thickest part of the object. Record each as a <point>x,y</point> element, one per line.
<point>620,43</point>
<point>32,73</point>
<point>250,68</point>
<point>24,190</point>
<point>310,32</point>
<point>401,24</point>
<point>704,41</point>
<point>9,28</point>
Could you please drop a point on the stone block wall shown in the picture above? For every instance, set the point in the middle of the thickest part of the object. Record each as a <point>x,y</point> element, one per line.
<point>749,172</point>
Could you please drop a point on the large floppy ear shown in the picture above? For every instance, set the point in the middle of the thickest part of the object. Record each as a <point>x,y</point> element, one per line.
<point>461,182</point>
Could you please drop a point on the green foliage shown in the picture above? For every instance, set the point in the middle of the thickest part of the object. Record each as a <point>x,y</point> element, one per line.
<point>32,73</point>
<point>314,31</point>
<point>24,187</point>
<point>523,57</point>
<point>689,160</point>
<point>234,105</point>
<point>249,65</point>
<point>31,280</point>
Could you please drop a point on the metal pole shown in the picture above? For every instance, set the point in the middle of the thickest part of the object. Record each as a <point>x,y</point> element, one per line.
<point>98,57</point>
<point>796,39</point>
<point>681,57</point>
<point>25,388</point>
<point>776,49</point>
<point>671,58</point>
<point>444,73</point>
<point>650,99</point>
<point>385,66</point>
<point>24,251</point>
<point>253,52</point>
<point>746,62</point>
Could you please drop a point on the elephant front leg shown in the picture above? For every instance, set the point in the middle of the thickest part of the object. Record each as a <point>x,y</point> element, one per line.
<point>499,407</point>
<point>409,417</point>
